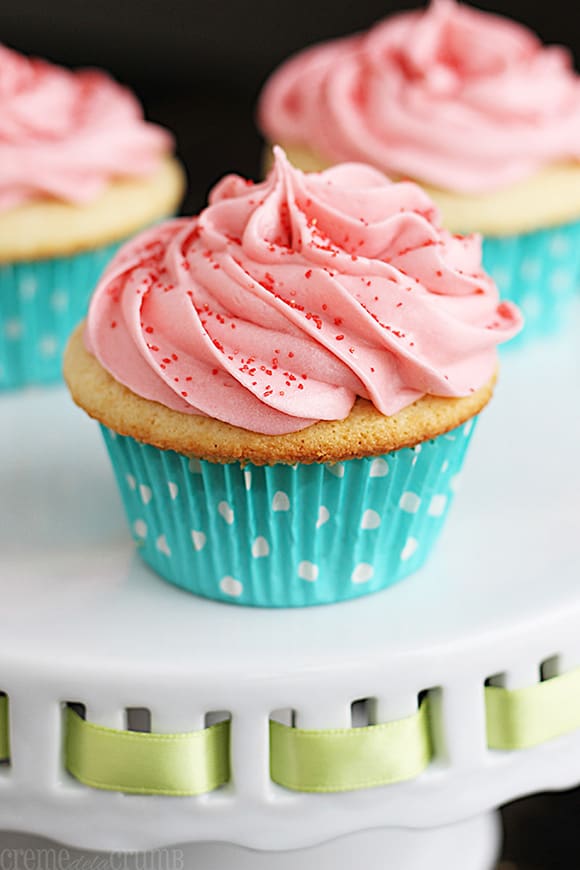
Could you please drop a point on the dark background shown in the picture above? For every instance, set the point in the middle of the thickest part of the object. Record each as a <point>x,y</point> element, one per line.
<point>198,68</point>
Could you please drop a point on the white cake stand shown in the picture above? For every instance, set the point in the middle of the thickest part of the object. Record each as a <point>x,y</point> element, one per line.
<point>83,620</point>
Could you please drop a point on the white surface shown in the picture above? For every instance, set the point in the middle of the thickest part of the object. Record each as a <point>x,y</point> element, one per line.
<point>470,845</point>
<point>84,620</point>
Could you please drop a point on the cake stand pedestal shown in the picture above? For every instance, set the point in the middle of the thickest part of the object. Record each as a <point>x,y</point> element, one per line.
<point>82,620</point>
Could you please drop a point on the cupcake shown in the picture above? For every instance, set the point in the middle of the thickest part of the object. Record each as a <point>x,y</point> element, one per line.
<point>80,171</point>
<point>288,382</point>
<point>474,108</point>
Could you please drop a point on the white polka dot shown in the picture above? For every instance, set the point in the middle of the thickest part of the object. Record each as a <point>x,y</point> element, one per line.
<point>455,483</point>
<point>560,281</point>
<point>112,434</point>
<point>409,549</point>
<point>140,528</point>
<point>48,345</point>
<point>27,287</point>
<point>248,479</point>
<point>410,502</point>
<point>336,468</point>
<point>145,493</point>
<point>308,571</point>
<point>323,516</point>
<point>531,305</point>
<point>379,467</point>
<point>501,277</point>
<point>445,466</point>
<point>230,586</point>
<point>362,573</point>
<point>225,511</point>
<point>530,270</point>
<point>131,482</point>
<point>280,502</point>
<point>437,505</point>
<point>260,547</point>
<point>173,490</point>
<point>370,520</point>
<point>195,466</point>
<point>198,539</point>
<point>449,437</point>
<point>162,545</point>
<point>13,328</point>
<point>417,448</point>
<point>559,245</point>
<point>467,428</point>
<point>59,300</point>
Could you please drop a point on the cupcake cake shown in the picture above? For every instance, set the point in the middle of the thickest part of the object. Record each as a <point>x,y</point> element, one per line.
<point>473,107</point>
<point>80,171</point>
<point>288,382</point>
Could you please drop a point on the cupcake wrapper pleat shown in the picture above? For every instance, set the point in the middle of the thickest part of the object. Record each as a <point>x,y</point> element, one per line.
<point>540,272</point>
<point>41,301</point>
<point>287,536</point>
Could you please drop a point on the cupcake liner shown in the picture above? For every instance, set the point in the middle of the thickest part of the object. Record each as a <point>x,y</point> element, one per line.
<point>540,272</point>
<point>287,536</point>
<point>41,301</point>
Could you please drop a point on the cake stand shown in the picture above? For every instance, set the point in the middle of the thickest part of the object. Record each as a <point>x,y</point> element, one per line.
<point>82,620</point>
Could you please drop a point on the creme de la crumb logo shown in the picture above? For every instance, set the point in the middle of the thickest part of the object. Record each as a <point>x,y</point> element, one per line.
<point>60,858</point>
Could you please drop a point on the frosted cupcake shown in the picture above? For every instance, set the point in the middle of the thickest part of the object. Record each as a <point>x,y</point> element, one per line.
<point>473,107</point>
<point>80,171</point>
<point>287,383</point>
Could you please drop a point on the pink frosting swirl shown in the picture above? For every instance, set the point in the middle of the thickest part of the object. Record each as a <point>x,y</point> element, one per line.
<point>284,301</point>
<point>67,134</point>
<point>451,96</point>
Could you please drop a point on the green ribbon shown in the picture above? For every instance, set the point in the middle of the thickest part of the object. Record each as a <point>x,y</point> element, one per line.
<point>4,730</point>
<point>143,763</point>
<point>331,760</point>
<point>351,758</point>
<point>521,718</point>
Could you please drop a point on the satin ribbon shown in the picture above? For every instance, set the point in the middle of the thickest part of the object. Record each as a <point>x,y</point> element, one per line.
<point>521,718</point>
<point>4,730</point>
<point>351,758</point>
<point>143,763</point>
<point>331,760</point>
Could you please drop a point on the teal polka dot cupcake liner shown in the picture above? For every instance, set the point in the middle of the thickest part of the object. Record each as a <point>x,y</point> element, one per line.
<point>287,536</point>
<point>41,301</point>
<point>540,272</point>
